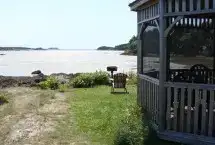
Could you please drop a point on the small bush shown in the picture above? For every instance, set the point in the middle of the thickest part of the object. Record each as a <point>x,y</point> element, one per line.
<point>3,99</point>
<point>101,78</point>
<point>132,78</point>
<point>86,80</point>
<point>50,83</point>
<point>132,129</point>
<point>63,88</point>
<point>43,85</point>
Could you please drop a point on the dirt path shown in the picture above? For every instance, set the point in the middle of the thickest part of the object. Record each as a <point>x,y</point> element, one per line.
<point>31,116</point>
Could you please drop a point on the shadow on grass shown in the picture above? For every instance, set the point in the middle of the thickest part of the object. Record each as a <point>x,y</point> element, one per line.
<point>152,139</point>
<point>117,93</point>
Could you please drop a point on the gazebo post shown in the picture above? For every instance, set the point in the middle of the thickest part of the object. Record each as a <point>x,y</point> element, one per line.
<point>140,44</point>
<point>139,64</point>
<point>213,21</point>
<point>140,48</point>
<point>162,74</point>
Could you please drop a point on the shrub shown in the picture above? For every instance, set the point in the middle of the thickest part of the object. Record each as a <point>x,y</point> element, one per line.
<point>101,78</point>
<point>50,83</point>
<point>63,88</point>
<point>132,78</point>
<point>86,80</point>
<point>43,85</point>
<point>3,99</point>
<point>132,129</point>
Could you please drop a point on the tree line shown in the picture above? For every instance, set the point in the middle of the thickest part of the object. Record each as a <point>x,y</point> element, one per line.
<point>188,42</point>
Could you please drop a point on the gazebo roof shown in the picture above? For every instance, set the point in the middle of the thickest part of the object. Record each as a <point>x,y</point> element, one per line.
<point>137,3</point>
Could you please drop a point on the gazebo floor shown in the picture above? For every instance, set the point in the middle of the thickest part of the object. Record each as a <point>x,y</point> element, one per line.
<point>186,138</point>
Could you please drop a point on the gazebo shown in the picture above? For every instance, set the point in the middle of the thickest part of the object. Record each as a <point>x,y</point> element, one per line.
<point>180,102</point>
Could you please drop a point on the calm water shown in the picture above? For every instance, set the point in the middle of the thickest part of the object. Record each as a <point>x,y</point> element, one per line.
<point>22,63</point>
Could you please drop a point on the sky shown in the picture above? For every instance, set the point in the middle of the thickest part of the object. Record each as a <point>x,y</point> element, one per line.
<point>66,24</point>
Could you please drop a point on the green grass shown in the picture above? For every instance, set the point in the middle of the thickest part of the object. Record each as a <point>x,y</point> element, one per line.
<point>99,115</point>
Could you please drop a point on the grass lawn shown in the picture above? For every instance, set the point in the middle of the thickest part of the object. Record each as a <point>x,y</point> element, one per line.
<point>99,114</point>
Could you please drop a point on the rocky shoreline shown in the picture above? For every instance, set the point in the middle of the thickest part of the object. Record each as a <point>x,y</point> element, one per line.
<point>34,80</point>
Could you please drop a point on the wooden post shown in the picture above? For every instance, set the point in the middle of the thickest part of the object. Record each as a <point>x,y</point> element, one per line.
<point>162,74</point>
<point>138,67</point>
<point>140,30</point>
<point>213,25</point>
<point>140,48</point>
<point>139,57</point>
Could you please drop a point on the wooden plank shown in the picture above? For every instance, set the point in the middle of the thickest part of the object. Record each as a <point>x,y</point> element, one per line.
<point>186,138</point>
<point>210,122</point>
<point>191,5</point>
<point>213,4</point>
<point>196,111</point>
<point>206,11</point>
<point>139,15</point>
<point>190,21</point>
<point>188,127</point>
<point>142,92</point>
<point>206,4</point>
<point>153,101</point>
<point>176,5</point>
<point>182,109</point>
<point>175,107</point>
<point>150,97</point>
<point>145,14</point>
<point>169,6</point>
<point>157,9</point>
<point>192,85</point>
<point>147,96</point>
<point>198,4</point>
<point>207,26</point>
<point>197,22</point>
<point>149,12</point>
<point>156,102</point>
<point>203,118</point>
<point>150,79</point>
<point>142,16</point>
<point>201,23</point>
<point>168,113</point>
<point>183,5</point>
<point>152,9</point>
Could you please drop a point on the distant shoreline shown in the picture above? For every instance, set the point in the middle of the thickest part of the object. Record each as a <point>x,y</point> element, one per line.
<point>124,52</point>
<point>26,48</point>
